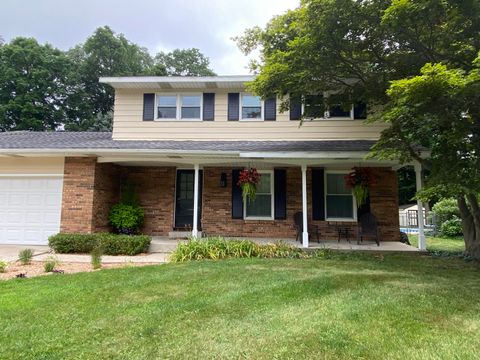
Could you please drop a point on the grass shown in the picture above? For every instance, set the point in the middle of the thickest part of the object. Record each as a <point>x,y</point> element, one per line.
<point>345,306</point>
<point>440,244</point>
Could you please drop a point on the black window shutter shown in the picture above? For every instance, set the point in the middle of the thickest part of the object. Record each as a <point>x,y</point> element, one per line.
<point>295,107</point>
<point>148,107</point>
<point>360,110</point>
<point>233,106</point>
<point>271,109</point>
<point>280,193</point>
<point>208,106</point>
<point>318,194</point>
<point>237,198</point>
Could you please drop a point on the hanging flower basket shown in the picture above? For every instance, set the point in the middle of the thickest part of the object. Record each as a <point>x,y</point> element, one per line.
<point>248,180</point>
<point>360,180</point>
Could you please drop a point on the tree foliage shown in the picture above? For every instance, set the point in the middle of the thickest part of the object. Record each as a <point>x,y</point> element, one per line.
<point>360,46</point>
<point>43,88</point>
<point>34,86</point>
<point>440,109</point>
<point>406,185</point>
<point>186,62</point>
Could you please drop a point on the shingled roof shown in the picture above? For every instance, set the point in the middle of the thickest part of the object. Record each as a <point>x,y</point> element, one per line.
<point>26,140</point>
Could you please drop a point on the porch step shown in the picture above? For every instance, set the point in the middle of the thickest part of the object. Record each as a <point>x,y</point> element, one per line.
<point>181,234</point>
<point>162,246</point>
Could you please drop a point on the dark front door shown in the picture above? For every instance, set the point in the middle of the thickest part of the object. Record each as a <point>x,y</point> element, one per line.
<point>184,199</point>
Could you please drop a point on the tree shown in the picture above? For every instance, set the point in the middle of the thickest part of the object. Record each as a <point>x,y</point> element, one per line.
<point>358,48</point>
<point>105,53</point>
<point>34,86</point>
<point>440,109</point>
<point>406,185</point>
<point>187,62</point>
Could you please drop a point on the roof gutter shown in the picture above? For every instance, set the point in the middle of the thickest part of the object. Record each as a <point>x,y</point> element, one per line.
<point>166,152</point>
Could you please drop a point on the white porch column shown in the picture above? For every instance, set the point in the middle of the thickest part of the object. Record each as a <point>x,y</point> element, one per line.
<point>421,233</point>
<point>304,207</point>
<point>195,202</point>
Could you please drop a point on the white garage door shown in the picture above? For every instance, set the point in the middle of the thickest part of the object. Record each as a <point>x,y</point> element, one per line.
<point>30,209</point>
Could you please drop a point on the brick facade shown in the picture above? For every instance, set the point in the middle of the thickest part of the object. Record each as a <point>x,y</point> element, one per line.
<point>217,218</point>
<point>155,187</point>
<point>91,188</point>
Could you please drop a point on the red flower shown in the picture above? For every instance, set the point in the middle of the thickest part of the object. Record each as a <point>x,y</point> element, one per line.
<point>360,176</point>
<point>249,176</point>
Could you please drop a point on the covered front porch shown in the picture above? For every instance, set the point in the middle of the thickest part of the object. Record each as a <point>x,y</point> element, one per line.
<point>197,194</point>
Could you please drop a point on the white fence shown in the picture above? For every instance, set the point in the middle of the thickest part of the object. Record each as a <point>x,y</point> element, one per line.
<point>409,221</point>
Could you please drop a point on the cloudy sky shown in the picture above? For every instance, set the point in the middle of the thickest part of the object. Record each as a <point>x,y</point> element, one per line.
<point>159,25</point>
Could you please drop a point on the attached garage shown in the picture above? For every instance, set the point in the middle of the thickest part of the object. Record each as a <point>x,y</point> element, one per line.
<point>30,201</point>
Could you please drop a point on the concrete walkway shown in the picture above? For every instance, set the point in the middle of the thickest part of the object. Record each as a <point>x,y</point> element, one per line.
<point>9,253</point>
<point>164,244</point>
<point>161,247</point>
<point>366,246</point>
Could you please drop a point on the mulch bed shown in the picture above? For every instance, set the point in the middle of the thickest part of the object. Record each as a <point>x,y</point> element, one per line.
<point>35,268</point>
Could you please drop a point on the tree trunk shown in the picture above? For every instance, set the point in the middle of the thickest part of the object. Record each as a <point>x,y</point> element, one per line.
<point>471,224</point>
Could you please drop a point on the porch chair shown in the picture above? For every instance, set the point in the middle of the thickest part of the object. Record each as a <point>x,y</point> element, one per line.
<point>298,224</point>
<point>368,227</point>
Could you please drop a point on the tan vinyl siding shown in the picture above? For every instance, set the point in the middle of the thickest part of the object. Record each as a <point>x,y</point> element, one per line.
<point>128,124</point>
<point>32,165</point>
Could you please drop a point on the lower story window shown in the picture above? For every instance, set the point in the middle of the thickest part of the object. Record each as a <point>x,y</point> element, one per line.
<point>339,198</point>
<point>261,207</point>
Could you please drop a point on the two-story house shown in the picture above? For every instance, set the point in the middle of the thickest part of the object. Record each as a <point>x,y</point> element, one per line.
<point>181,142</point>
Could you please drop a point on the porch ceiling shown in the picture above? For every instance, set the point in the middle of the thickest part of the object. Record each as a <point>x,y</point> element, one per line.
<point>265,162</point>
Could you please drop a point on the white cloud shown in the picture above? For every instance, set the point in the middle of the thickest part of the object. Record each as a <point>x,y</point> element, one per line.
<point>159,25</point>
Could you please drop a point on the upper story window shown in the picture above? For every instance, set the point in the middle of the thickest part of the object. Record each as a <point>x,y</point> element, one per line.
<point>319,107</point>
<point>179,106</point>
<point>340,204</point>
<point>167,106</point>
<point>262,206</point>
<point>337,110</point>
<point>314,106</point>
<point>251,107</point>
<point>191,106</point>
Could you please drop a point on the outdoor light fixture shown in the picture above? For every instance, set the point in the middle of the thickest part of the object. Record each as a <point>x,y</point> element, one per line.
<point>223,180</point>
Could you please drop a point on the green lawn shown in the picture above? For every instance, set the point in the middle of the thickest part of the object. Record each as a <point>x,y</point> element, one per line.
<point>456,245</point>
<point>348,306</point>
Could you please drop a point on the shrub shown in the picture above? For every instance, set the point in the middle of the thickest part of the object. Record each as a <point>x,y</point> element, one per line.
<point>445,209</point>
<point>127,216</point>
<point>126,219</point>
<point>50,264</point>
<point>25,256</point>
<point>219,248</point>
<point>111,244</point>
<point>73,243</point>
<point>96,257</point>
<point>452,228</point>
<point>3,266</point>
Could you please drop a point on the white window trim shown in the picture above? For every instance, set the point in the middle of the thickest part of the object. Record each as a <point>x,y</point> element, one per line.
<point>272,192</point>
<point>179,106</point>
<point>327,112</point>
<point>240,105</point>
<point>354,202</point>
